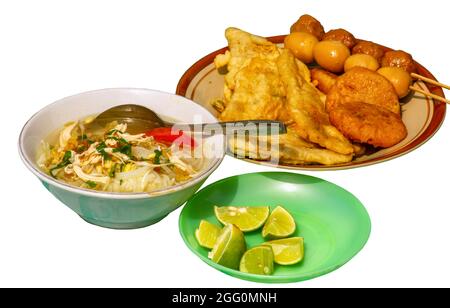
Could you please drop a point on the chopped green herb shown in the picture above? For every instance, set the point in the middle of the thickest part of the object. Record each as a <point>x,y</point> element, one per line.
<point>126,149</point>
<point>81,149</point>
<point>112,131</point>
<point>101,149</point>
<point>91,184</point>
<point>82,137</point>
<point>124,146</point>
<point>64,162</point>
<point>157,159</point>
<point>112,171</point>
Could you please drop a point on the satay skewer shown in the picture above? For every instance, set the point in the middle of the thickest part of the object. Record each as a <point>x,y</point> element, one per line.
<point>434,96</point>
<point>430,81</point>
<point>433,82</point>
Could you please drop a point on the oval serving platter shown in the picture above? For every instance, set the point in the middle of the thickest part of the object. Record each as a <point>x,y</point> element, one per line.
<point>422,116</point>
<point>334,223</point>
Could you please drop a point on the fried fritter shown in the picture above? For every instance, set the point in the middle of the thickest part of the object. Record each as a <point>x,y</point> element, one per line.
<point>323,80</point>
<point>288,148</point>
<point>368,123</point>
<point>253,89</point>
<point>363,85</point>
<point>307,110</point>
<point>258,93</point>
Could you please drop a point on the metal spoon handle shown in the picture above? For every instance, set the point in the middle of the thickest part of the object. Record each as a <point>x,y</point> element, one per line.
<point>251,127</point>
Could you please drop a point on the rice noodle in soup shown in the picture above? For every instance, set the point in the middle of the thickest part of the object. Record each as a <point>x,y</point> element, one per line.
<point>112,160</point>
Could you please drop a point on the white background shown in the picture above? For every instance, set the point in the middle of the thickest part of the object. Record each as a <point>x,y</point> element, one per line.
<point>52,49</point>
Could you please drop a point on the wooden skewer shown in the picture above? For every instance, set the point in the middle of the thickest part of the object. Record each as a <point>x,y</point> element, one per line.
<point>430,81</point>
<point>434,96</point>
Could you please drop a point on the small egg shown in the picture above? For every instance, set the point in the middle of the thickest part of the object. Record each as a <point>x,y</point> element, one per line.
<point>331,55</point>
<point>400,79</point>
<point>301,44</point>
<point>361,60</point>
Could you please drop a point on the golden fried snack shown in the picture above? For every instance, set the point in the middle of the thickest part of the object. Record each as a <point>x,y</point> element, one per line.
<point>368,123</point>
<point>323,80</point>
<point>400,59</point>
<point>307,110</point>
<point>363,85</point>
<point>342,36</point>
<point>292,149</point>
<point>309,24</point>
<point>369,48</point>
<point>253,89</point>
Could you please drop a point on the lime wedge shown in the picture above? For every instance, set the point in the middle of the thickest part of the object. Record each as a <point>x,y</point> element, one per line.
<point>229,247</point>
<point>245,218</point>
<point>258,260</point>
<point>280,224</point>
<point>287,251</point>
<point>207,234</point>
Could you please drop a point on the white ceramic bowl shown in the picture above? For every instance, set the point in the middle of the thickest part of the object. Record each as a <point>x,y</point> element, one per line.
<point>116,210</point>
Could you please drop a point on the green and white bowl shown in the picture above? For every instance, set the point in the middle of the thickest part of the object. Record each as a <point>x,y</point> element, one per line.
<point>116,210</point>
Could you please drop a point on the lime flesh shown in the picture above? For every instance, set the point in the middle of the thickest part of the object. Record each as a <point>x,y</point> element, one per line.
<point>245,218</point>
<point>258,261</point>
<point>280,224</point>
<point>229,247</point>
<point>287,251</point>
<point>207,234</point>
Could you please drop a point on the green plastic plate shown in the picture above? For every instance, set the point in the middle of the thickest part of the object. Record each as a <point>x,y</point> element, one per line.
<point>334,223</point>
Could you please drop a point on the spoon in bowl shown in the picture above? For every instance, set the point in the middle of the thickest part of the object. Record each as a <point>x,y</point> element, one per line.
<point>141,119</point>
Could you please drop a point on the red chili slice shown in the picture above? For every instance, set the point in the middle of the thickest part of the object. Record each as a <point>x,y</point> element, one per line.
<point>168,136</point>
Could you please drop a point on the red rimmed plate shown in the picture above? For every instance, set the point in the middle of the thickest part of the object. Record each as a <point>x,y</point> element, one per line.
<point>422,116</point>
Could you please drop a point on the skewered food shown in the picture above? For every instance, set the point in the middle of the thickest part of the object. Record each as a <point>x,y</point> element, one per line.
<point>331,55</point>
<point>399,78</point>
<point>400,59</point>
<point>301,44</point>
<point>369,48</point>
<point>361,60</point>
<point>342,36</point>
<point>308,24</point>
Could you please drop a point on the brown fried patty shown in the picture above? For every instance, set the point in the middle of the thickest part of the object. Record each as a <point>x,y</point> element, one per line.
<point>363,85</point>
<point>368,123</point>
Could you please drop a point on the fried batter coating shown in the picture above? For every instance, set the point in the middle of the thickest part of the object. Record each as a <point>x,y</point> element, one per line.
<point>362,85</point>
<point>369,48</point>
<point>324,80</point>
<point>307,23</point>
<point>400,59</point>
<point>292,150</point>
<point>342,36</point>
<point>368,123</point>
<point>307,110</point>
<point>253,89</point>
